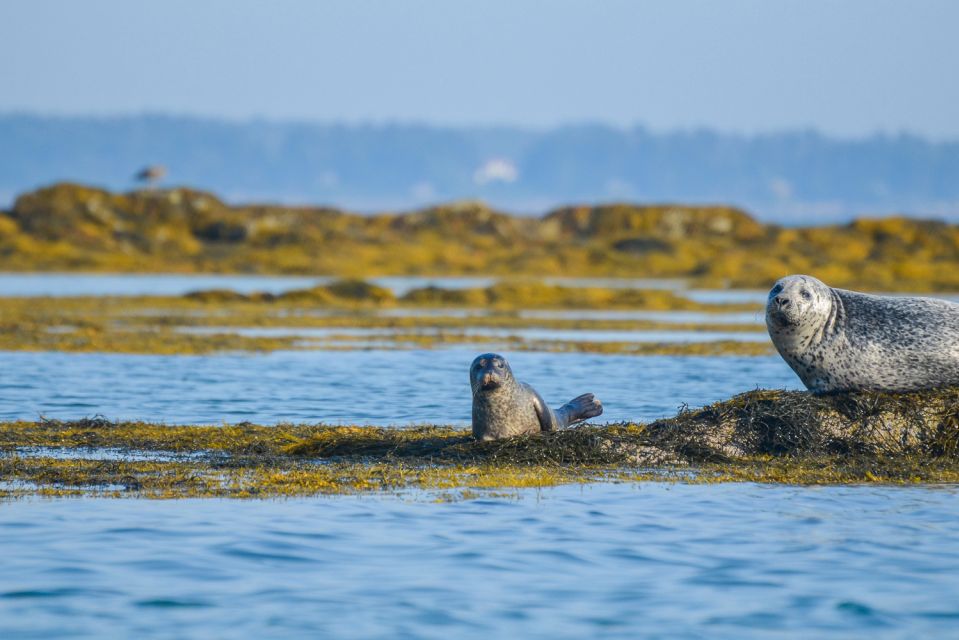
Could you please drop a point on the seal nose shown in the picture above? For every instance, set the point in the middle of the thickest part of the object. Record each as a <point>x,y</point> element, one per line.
<point>489,380</point>
<point>781,301</point>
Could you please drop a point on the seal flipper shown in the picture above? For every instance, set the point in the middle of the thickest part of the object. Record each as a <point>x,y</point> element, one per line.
<point>578,409</point>
<point>547,419</point>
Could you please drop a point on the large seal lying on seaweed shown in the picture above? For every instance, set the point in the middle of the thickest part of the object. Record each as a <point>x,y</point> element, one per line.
<point>838,340</point>
<point>504,406</point>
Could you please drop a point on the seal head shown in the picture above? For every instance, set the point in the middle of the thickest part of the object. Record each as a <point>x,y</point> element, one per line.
<point>796,301</point>
<point>488,372</point>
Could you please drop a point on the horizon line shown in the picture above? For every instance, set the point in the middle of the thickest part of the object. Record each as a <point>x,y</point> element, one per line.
<point>383,123</point>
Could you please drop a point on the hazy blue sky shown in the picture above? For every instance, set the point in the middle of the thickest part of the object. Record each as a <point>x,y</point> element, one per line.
<point>846,67</point>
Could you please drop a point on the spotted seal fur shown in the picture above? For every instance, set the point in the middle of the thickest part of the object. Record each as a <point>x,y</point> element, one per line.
<point>838,340</point>
<point>504,406</point>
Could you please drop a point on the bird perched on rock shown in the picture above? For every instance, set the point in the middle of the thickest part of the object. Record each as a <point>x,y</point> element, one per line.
<point>151,175</point>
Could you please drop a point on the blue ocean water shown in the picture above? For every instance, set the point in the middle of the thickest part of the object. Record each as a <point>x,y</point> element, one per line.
<point>599,561</point>
<point>362,386</point>
<point>174,284</point>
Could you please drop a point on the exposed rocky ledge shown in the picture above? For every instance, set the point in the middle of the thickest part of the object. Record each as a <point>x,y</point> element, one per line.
<point>760,436</point>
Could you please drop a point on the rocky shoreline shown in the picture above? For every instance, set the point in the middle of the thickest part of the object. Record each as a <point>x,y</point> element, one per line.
<point>71,227</point>
<point>758,436</point>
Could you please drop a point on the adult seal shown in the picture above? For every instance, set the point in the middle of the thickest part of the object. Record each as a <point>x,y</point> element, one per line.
<point>504,406</point>
<point>838,340</point>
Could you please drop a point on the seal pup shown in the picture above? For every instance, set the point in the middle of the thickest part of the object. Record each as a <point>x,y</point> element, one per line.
<point>837,340</point>
<point>503,406</point>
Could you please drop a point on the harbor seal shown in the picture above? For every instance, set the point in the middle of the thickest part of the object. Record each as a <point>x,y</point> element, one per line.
<point>504,406</point>
<point>838,340</point>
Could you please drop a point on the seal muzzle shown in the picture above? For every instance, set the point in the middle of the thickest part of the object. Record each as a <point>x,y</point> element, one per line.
<point>488,372</point>
<point>490,381</point>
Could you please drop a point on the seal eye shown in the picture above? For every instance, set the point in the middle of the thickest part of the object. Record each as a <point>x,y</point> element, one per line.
<point>805,294</point>
<point>776,289</point>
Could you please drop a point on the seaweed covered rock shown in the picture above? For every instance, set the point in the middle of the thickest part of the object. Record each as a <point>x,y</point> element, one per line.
<point>618,444</point>
<point>800,423</point>
<point>337,293</point>
<point>216,296</point>
<point>760,424</point>
<point>660,222</point>
<point>513,294</point>
<point>360,291</point>
<point>757,423</point>
<point>760,436</point>
<point>68,226</point>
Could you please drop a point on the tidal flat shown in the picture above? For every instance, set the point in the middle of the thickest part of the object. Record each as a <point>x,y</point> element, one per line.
<point>243,478</point>
<point>631,331</point>
<point>759,436</point>
<point>301,454</point>
<point>353,314</point>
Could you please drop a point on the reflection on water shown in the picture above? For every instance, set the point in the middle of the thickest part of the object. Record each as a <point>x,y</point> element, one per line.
<point>728,296</point>
<point>523,333</point>
<point>130,284</point>
<point>676,317</point>
<point>666,284</point>
<point>378,387</point>
<point>170,284</point>
<point>136,284</point>
<point>620,561</point>
<point>175,284</point>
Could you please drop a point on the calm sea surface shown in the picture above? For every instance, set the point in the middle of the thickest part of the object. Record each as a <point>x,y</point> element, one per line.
<point>606,560</point>
<point>173,284</point>
<point>602,561</point>
<point>599,561</point>
<point>365,386</point>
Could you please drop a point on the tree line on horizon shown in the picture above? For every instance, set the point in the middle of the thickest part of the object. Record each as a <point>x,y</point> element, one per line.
<point>784,177</point>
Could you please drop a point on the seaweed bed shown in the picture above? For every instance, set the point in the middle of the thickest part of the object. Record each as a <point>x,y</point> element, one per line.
<point>759,436</point>
<point>154,324</point>
<point>71,227</point>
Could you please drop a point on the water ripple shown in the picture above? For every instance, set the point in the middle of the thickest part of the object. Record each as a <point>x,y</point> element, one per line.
<point>608,560</point>
<point>355,387</point>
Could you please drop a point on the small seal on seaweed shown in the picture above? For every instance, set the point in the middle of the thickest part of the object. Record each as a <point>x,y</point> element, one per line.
<point>503,406</point>
<point>838,340</point>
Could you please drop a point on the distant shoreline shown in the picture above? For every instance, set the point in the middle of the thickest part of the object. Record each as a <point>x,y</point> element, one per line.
<point>69,227</point>
<point>787,177</point>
